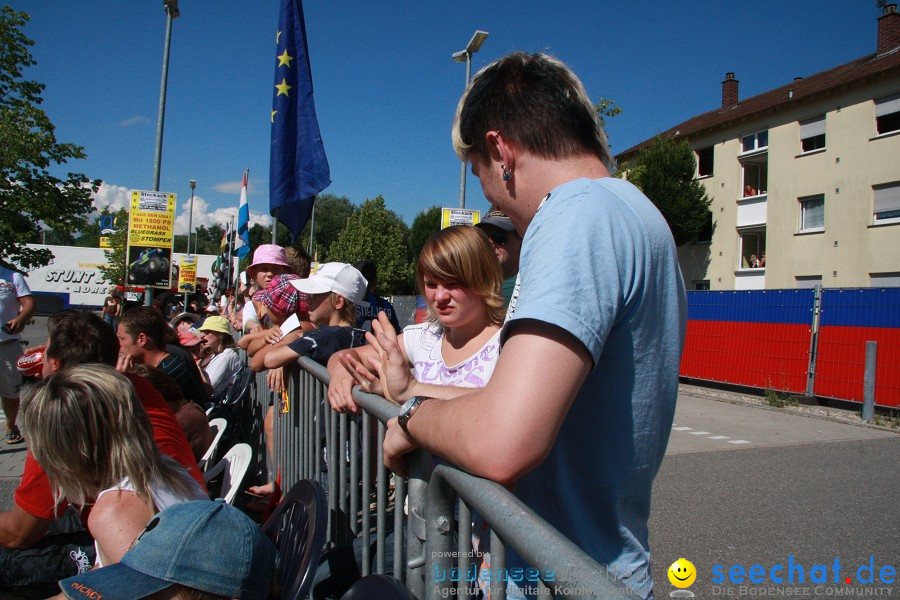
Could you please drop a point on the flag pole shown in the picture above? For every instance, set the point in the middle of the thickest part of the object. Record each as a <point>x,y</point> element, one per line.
<point>312,226</point>
<point>274,223</point>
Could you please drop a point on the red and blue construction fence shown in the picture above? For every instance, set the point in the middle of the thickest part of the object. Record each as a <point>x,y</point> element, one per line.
<point>796,341</point>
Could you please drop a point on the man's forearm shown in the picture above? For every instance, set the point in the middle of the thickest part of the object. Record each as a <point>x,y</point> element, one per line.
<point>18,529</point>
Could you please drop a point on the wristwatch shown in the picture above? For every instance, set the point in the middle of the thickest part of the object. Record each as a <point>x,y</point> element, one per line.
<point>408,410</point>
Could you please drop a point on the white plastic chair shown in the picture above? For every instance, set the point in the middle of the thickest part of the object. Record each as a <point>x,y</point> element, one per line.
<point>219,426</point>
<point>233,467</point>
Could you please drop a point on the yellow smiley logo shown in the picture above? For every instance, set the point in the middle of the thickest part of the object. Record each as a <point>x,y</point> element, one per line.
<point>682,573</point>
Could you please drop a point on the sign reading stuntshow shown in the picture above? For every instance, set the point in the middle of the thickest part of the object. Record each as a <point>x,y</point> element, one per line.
<point>151,223</point>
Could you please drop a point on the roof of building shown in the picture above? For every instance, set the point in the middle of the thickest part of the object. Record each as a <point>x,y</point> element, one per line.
<point>799,90</point>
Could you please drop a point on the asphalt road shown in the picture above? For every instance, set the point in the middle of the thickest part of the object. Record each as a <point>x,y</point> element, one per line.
<point>796,486</point>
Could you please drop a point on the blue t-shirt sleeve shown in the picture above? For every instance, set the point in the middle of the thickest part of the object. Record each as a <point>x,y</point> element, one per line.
<point>577,269</point>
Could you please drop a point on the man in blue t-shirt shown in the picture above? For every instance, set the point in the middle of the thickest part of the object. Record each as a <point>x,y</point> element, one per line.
<point>581,402</point>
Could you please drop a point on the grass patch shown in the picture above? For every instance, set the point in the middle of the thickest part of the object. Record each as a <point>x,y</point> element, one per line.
<point>779,399</point>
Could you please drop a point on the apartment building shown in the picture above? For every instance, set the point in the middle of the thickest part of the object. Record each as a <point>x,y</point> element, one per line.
<point>804,178</point>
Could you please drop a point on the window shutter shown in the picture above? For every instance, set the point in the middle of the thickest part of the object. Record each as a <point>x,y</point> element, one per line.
<point>812,127</point>
<point>887,106</point>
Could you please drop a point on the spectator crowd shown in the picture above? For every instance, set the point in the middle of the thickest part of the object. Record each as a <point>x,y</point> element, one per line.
<point>548,362</point>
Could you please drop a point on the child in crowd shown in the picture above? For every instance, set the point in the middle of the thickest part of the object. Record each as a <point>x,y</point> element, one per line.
<point>269,261</point>
<point>333,290</point>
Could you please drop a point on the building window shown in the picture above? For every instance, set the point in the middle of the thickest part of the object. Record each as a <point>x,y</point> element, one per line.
<point>812,213</point>
<point>886,204</point>
<point>884,279</point>
<point>755,178</point>
<point>701,285</point>
<point>805,282</point>
<point>705,162</point>
<point>755,141</point>
<point>753,248</point>
<point>812,134</point>
<point>887,114</point>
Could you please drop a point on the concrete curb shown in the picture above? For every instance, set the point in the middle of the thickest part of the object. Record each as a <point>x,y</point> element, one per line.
<point>744,400</point>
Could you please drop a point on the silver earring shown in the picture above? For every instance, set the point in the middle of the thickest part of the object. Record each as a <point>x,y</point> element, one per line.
<point>506,172</point>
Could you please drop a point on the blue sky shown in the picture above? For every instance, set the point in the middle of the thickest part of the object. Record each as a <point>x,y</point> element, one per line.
<point>385,85</point>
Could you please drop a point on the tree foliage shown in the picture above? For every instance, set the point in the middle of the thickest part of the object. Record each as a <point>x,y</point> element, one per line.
<point>30,197</point>
<point>665,173</point>
<point>606,108</point>
<point>331,214</point>
<point>375,233</point>
<point>426,224</point>
<point>116,255</point>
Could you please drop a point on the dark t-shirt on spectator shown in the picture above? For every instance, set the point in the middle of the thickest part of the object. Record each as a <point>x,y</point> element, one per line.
<point>180,366</point>
<point>319,344</point>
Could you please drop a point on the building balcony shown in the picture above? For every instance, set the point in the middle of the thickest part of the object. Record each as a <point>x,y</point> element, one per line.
<point>752,210</point>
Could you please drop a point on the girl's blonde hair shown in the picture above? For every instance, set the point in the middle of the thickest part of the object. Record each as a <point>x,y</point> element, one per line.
<point>89,431</point>
<point>463,254</point>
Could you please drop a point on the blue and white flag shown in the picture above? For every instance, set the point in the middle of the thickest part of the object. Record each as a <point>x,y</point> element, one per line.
<point>242,244</point>
<point>298,168</point>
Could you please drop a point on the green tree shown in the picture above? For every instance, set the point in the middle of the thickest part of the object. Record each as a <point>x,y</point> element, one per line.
<point>331,217</point>
<point>665,173</point>
<point>606,108</point>
<point>373,233</point>
<point>116,255</point>
<point>426,224</point>
<point>30,197</point>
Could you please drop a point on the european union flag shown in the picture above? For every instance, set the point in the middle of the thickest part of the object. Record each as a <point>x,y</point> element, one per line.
<point>298,168</point>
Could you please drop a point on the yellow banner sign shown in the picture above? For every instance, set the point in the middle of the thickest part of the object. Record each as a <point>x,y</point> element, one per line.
<point>187,275</point>
<point>151,222</point>
<point>459,216</point>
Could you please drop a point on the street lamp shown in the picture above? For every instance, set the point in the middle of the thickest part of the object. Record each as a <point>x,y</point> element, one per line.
<point>171,7</point>
<point>190,228</point>
<point>465,56</point>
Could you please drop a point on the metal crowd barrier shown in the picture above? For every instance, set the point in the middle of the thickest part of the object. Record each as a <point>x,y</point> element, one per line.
<point>433,508</point>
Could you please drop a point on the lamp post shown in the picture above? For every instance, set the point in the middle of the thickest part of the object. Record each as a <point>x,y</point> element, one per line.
<point>190,229</point>
<point>171,7</point>
<point>465,56</point>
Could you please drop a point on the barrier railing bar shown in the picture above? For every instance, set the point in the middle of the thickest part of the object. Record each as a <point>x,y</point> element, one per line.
<point>399,503</point>
<point>535,540</point>
<point>464,545</point>
<point>339,456</point>
<point>498,565</point>
<point>380,500</point>
<point>367,485</point>
<point>354,476</point>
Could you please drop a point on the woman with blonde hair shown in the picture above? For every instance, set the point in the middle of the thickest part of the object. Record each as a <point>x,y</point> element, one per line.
<point>89,432</point>
<point>459,275</point>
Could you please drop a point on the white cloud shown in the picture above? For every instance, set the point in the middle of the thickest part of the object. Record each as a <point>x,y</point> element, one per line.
<point>220,216</point>
<point>234,187</point>
<point>113,197</point>
<point>133,121</point>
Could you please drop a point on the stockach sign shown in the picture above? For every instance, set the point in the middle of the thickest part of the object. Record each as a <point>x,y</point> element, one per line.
<point>151,223</point>
<point>459,216</point>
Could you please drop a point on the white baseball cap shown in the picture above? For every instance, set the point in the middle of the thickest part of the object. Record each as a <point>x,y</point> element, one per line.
<point>337,277</point>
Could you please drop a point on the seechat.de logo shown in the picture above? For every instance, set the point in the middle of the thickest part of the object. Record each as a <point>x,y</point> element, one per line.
<point>682,574</point>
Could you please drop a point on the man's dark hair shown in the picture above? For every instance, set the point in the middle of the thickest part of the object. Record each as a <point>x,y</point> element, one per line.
<point>80,337</point>
<point>146,320</point>
<point>533,100</point>
<point>369,270</point>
